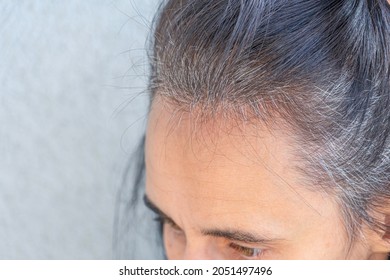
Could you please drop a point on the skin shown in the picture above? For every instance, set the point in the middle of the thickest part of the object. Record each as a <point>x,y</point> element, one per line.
<point>227,189</point>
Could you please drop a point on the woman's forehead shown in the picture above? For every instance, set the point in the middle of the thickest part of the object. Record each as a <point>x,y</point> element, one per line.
<point>238,165</point>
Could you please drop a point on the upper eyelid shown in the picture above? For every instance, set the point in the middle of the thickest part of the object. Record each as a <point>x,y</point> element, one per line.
<point>237,245</point>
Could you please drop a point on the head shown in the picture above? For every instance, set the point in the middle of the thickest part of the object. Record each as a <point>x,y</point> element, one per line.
<point>269,129</point>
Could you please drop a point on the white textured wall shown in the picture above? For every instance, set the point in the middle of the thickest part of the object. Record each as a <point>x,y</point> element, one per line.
<point>66,70</point>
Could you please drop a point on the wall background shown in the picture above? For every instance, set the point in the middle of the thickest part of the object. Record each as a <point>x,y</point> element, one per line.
<point>67,72</point>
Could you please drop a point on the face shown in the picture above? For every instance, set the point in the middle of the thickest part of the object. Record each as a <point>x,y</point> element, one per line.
<point>229,190</point>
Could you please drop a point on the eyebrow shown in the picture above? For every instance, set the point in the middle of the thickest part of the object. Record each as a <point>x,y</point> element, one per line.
<point>237,235</point>
<point>234,235</point>
<point>149,204</point>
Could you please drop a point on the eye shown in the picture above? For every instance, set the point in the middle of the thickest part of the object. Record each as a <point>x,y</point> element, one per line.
<point>247,252</point>
<point>174,239</point>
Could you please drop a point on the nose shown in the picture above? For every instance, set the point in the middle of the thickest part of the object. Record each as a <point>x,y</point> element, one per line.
<point>200,251</point>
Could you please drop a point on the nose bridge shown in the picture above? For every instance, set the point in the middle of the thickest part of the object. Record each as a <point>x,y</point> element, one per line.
<point>200,250</point>
<point>196,253</point>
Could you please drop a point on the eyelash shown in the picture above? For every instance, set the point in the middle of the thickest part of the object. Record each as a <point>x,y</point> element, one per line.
<point>160,219</point>
<point>247,251</point>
